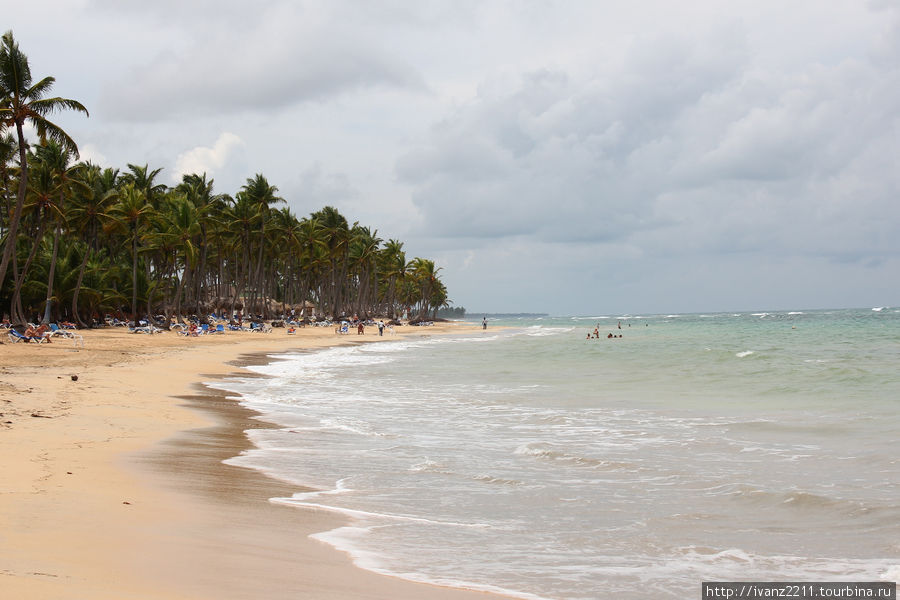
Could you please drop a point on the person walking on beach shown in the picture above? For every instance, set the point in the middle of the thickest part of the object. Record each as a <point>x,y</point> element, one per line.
<point>484,323</point>
<point>380,328</point>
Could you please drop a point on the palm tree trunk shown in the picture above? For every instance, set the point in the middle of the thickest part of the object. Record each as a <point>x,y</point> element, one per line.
<point>50,276</point>
<point>178,293</point>
<point>81,269</point>
<point>9,248</point>
<point>220,278</point>
<point>20,280</point>
<point>15,315</point>
<point>134,266</point>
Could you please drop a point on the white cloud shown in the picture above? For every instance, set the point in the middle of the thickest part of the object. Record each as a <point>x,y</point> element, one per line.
<point>203,159</point>
<point>90,153</point>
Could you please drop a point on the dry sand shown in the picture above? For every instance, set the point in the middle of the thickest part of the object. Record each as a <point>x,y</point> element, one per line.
<point>113,486</point>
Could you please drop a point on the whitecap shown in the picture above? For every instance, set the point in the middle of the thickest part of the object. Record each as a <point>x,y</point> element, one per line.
<point>430,466</point>
<point>538,331</point>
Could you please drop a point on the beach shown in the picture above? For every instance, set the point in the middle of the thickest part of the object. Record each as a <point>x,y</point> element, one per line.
<point>114,486</point>
<point>524,460</point>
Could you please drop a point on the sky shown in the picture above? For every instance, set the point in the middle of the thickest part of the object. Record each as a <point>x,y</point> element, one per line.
<point>566,157</point>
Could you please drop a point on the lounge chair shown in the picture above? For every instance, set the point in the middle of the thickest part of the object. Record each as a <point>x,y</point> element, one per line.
<point>220,328</point>
<point>57,331</point>
<point>15,336</point>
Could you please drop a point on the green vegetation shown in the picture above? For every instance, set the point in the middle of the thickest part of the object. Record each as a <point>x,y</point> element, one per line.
<point>80,241</point>
<point>451,312</point>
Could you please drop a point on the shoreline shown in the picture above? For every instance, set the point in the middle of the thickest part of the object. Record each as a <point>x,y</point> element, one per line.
<point>116,488</point>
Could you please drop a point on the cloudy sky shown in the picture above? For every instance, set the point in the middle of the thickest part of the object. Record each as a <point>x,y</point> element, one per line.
<point>569,157</point>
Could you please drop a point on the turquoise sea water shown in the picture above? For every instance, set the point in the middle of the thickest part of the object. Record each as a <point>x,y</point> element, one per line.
<point>735,446</point>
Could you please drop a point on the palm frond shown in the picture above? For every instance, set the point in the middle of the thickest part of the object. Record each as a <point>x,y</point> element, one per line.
<point>39,89</point>
<point>47,130</point>
<point>48,106</point>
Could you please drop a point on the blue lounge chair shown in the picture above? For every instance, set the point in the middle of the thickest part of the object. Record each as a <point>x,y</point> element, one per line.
<point>15,336</point>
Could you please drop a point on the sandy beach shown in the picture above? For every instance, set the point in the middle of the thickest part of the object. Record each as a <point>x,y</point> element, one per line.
<point>113,485</point>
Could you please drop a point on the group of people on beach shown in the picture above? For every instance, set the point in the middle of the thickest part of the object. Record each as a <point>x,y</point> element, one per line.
<point>361,329</point>
<point>360,325</point>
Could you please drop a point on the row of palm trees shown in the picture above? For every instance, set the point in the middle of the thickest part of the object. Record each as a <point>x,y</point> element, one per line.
<point>80,241</point>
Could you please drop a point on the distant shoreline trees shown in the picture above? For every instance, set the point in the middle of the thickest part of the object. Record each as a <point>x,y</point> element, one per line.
<point>451,312</point>
<point>80,241</point>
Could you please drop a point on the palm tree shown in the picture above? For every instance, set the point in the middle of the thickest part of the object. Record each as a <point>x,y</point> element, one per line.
<point>363,253</point>
<point>426,277</point>
<point>438,298</point>
<point>336,234</point>
<point>88,215</point>
<point>143,179</point>
<point>199,192</point>
<point>313,256</point>
<point>394,268</point>
<point>40,196</point>
<point>218,240</point>
<point>133,213</point>
<point>179,229</point>
<point>261,194</point>
<point>241,216</point>
<point>21,101</point>
<point>67,178</point>
<point>8,151</point>
<point>288,236</point>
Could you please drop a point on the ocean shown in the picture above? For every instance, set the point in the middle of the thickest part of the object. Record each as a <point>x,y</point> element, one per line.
<point>529,460</point>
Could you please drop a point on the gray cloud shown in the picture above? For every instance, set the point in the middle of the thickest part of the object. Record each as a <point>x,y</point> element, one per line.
<point>688,147</point>
<point>314,188</point>
<point>291,55</point>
